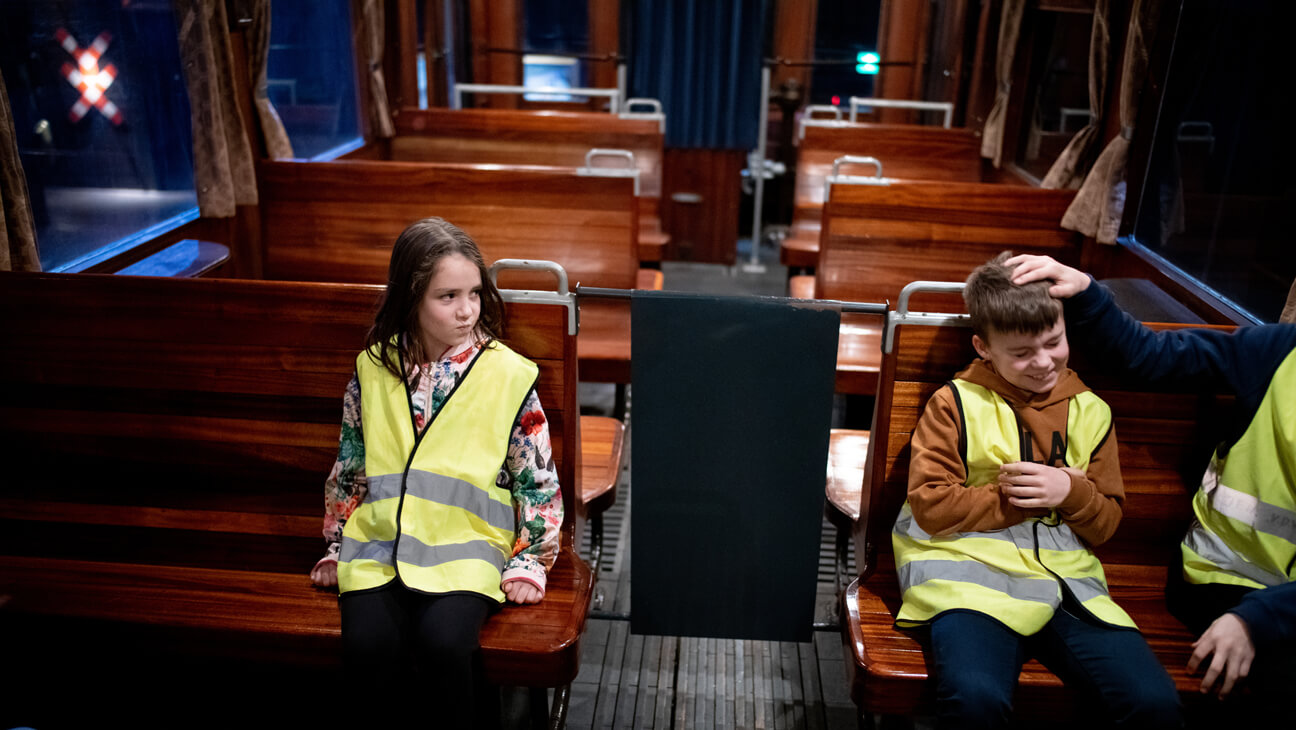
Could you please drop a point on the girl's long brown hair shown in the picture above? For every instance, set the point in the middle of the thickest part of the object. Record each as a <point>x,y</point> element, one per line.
<point>414,261</point>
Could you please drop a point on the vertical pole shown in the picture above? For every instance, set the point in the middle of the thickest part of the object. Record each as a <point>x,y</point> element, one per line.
<point>621,86</point>
<point>756,168</point>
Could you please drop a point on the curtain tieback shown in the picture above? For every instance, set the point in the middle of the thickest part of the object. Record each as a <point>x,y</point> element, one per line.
<point>1005,87</point>
<point>1127,133</point>
<point>374,66</point>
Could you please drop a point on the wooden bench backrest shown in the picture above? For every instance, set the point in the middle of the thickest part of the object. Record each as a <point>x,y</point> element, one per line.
<point>1164,437</point>
<point>510,137</point>
<point>907,151</point>
<point>203,396</point>
<point>877,238</point>
<point>337,221</point>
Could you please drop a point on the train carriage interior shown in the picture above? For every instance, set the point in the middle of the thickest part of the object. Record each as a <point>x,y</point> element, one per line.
<point>200,200</point>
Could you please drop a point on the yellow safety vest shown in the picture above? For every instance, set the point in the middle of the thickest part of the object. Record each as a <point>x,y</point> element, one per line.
<point>1245,531</point>
<point>1015,575</point>
<point>433,516</point>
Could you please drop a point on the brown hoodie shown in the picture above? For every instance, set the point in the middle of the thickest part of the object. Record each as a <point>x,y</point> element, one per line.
<point>942,503</point>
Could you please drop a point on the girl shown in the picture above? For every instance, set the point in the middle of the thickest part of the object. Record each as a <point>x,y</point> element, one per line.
<point>444,500</point>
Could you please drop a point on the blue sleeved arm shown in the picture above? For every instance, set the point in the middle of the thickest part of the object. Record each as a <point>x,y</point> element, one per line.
<point>1241,362</point>
<point>1270,614</point>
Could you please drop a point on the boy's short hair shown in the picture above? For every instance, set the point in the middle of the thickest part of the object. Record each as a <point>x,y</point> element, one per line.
<point>997,304</point>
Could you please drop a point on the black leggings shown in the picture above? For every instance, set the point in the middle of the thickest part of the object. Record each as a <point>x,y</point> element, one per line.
<point>396,639</point>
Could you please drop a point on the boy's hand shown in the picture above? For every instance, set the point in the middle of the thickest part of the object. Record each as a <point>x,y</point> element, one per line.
<point>1067,282</point>
<point>1229,641</point>
<point>518,590</point>
<point>1034,486</point>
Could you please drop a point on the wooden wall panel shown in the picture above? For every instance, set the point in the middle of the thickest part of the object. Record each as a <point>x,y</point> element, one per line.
<point>700,201</point>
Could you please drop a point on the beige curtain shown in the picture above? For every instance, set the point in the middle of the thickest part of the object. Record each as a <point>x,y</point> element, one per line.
<point>1068,169</point>
<point>223,167</point>
<point>1009,30</point>
<point>257,38</point>
<point>369,23</point>
<point>17,228</point>
<point>1097,208</point>
<point>1289,311</point>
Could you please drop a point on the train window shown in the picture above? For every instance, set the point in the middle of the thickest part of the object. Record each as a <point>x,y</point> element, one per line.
<point>311,75</point>
<point>1057,91</point>
<point>1218,193</point>
<point>844,31</point>
<point>555,26</point>
<point>102,124</point>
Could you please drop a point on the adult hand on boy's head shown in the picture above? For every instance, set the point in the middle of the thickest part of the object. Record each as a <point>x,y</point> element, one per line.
<point>1228,643</point>
<point>1067,282</point>
<point>1034,486</point>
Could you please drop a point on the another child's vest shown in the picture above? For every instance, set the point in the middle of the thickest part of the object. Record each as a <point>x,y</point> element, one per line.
<point>434,516</point>
<point>1015,575</point>
<point>1245,531</point>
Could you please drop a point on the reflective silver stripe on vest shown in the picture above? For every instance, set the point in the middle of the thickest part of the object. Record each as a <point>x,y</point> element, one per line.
<point>1209,545</point>
<point>443,490</point>
<point>427,556</point>
<point>1086,588</point>
<point>386,486</point>
<point>417,553</point>
<point>1249,510</point>
<point>379,550</point>
<point>1022,534</point>
<point>459,493</point>
<point>1040,590</point>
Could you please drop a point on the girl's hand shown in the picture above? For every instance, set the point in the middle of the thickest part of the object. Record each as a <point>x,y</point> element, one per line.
<point>324,574</point>
<point>1034,486</point>
<point>519,590</point>
<point>1067,282</point>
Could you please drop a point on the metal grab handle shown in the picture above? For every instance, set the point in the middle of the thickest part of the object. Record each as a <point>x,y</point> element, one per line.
<point>630,171</point>
<point>937,106</point>
<point>655,104</point>
<point>857,160</point>
<point>902,315</point>
<point>530,265</point>
<point>812,109</point>
<point>563,297</point>
<point>627,155</point>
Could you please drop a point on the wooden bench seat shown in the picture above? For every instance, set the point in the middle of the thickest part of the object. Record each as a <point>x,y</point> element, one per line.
<point>337,221</point>
<point>877,238</point>
<point>907,151</point>
<point>602,448</point>
<point>175,436</point>
<point>1165,439</point>
<point>521,138</point>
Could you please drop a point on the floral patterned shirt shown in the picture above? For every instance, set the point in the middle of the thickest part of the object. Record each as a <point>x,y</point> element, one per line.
<point>528,470</point>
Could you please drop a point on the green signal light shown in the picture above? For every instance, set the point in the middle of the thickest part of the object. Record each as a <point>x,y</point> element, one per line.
<point>866,69</point>
<point>868,57</point>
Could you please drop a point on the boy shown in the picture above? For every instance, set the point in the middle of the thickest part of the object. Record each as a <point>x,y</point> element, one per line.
<point>1013,477</point>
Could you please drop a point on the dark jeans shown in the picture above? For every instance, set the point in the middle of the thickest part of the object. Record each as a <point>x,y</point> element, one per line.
<point>417,656</point>
<point>977,661</point>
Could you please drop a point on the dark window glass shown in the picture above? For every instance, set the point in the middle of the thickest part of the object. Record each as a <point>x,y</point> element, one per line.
<point>311,75</point>
<point>1057,92</point>
<point>1218,196</point>
<point>844,30</point>
<point>108,163</point>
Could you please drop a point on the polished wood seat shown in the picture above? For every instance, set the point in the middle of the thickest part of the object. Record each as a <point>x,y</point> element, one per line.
<point>175,436</point>
<point>847,452</point>
<point>337,221</point>
<point>907,151</point>
<point>602,448</point>
<point>1166,437</point>
<point>506,137</point>
<point>877,238</point>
